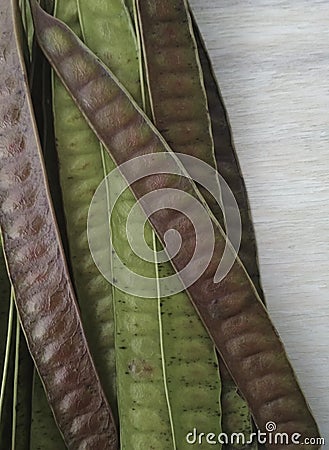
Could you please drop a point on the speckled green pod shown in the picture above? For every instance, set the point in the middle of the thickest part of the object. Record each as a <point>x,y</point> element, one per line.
<point>149,344</point>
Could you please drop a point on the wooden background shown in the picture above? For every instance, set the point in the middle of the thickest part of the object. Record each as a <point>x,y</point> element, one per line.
<point>271,59</point>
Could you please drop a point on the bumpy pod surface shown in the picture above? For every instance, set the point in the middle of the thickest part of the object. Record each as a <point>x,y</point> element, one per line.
<point>236,415</point>
<point>43,291</point>
<point>231,309</point>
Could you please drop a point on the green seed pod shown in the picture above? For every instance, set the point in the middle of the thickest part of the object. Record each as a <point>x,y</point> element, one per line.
<point>147,341</point>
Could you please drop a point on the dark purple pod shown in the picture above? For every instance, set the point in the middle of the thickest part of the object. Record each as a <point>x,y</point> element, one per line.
<point>44,295</point>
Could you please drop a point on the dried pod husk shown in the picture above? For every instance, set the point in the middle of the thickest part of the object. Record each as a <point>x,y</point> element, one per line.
<point>43,292</point>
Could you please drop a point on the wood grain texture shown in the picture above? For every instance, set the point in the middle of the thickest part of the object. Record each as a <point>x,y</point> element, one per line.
<point>272,63</point>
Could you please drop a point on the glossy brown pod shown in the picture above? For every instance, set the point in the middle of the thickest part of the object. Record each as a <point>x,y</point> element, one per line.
<point>37,267</point>
<point>231,310</point>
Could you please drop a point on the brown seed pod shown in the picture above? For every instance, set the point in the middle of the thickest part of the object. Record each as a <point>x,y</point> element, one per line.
<point>44,294</point>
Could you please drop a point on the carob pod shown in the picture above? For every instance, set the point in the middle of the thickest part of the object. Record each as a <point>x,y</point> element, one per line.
<point>231,309</point>
<point>166,366</point>
<point>180,98</point>
<point>44,295</point>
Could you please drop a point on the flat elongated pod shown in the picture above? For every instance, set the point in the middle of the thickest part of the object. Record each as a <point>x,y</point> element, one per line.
<point>230,309</point>
<point>236,415</point>
<point>149,340</point>
<point>116,33</point>
<point>37,267</point>
<point>178,98</point>
<point>80,172</point>
<point>175,81</point>
<point>182,92</point>
<point>228,164</point>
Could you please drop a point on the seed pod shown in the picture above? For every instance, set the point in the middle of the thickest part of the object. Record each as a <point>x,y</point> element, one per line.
<point>228,164</point>
<point>152,335</point>
<point>230,309</point>
<point>80,171</point>
<point>175,81</point>
<point>181,96</point>
<point>37,267</point>
<point>178,98</point>
<point>236,414</point>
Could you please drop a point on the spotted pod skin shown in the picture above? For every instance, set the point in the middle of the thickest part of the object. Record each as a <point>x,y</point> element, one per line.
<point>231,309</point>
<point>167,376</point>
<point>44,295</point>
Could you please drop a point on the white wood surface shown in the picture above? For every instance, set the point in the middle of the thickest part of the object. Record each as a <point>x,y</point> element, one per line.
<point>272,63</point>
